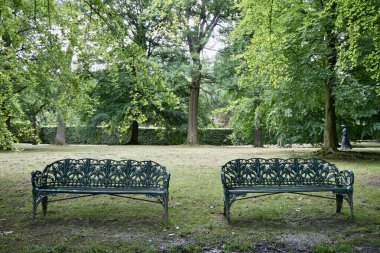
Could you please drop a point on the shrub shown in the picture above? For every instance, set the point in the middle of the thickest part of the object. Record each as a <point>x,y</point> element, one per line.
<point>215,136</point>
<point>147,136</point>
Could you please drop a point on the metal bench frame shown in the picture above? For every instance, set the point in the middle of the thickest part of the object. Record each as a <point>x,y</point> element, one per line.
<point>241,177</point>
<point>89,177</point>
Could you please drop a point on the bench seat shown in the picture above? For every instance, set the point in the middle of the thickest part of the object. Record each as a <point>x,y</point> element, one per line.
<point>102,190</point>
<point>288,189</point>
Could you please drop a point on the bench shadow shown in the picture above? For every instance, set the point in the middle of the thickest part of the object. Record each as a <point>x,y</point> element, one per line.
<point>332,221</point>
<point>83,222</point>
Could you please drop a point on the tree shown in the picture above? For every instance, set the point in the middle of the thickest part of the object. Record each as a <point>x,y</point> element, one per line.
<point>197,21</point>
<point>294,56</point>
<point>39,44</point>
<point>236,110</point>
<point>174,64</point>
<point>59,79</point>
<point>134,21</point>
<point>19,21</point>
<point>131,89</point>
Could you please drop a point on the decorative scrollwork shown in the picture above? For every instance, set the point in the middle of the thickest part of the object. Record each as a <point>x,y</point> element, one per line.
<point>86,176</point>
<point>102,173</point>
<point>345,177</point>
<point>233,197</point>
<point>258,171</point>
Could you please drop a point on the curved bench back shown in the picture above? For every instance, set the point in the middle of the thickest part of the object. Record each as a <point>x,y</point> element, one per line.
<point>105,173</point>
<point>259,171</point>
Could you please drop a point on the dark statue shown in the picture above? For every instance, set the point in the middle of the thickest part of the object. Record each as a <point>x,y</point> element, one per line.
<point>346,145</point>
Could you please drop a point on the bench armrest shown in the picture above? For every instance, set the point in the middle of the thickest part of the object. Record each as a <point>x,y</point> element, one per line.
<point>223,179</point>
<point>167,181</point>
<point>345,177</point>
<point>38,179</point>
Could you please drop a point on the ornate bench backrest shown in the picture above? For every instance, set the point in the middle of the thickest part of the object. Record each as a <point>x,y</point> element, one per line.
<point>104,173</point>
<point>258,171</point>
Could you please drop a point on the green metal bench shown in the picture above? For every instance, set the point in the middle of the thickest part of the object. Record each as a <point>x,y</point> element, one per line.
<point>241,177</point>
<point>90,177</point>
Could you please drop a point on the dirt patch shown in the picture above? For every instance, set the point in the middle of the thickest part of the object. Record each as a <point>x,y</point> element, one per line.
<point>300,242</point>
<point>367,249</point>
<point>374,181</point>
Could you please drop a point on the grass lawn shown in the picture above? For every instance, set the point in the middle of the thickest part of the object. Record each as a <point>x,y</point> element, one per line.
<point>279,223</point>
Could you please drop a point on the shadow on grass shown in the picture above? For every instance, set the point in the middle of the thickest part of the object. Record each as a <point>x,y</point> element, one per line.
<point>312,223</point>
<point>349,155</point>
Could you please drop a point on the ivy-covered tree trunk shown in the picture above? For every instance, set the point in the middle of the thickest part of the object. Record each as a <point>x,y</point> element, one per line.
<point>135,134</point>
<point>258,133</point>
<point>36,130</point>
<point>198,20</point>
<point>60,137</point>
<point>192,133</point>
<point>258,138</point>
<point>6,91</point>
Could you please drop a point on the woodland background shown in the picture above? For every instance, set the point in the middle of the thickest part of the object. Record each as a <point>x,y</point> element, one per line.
<point>269,71</point>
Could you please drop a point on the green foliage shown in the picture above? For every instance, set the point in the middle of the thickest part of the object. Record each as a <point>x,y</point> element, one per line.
<point>161,136</point>
<point>196,23</point>
<point>84,135</point>
<point>359,22</point>
<point>287,64</point>
<point>116,64</point>
<point>131,89</point>
<point>6,137</point>
<point>215,136</point>
<point>242,120</point>
<point>129,85</point>
<point>174,64</point>
<point>16,58</point>
<point>37,45</point>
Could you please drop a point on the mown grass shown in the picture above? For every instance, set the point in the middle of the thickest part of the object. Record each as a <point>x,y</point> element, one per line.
<point>280,223</point>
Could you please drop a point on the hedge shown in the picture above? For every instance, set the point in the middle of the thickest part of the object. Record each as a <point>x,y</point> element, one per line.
<point>147,136</point>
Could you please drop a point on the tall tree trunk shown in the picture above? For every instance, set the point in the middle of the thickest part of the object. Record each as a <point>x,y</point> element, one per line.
<point>36,130</point>
<point>330,137</point>
<point>258,138</point>
<point>192,129</point>
<point>60,137</point>
<point>7,88</point>
<point>135,134</point>
<point>258,133</point>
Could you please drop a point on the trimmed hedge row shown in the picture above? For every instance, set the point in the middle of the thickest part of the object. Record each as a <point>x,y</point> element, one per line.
<point>215,136</point>
<point>147,136</point>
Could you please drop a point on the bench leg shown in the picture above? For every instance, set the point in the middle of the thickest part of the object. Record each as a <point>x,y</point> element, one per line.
<point>44,203</point>
<point>228,214</point>
<point>34,205</point>
<point>166,208</point>
<point>350,200</point>
<point>224,207</point>
<point>339,202</point>
<point>227,207</point>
